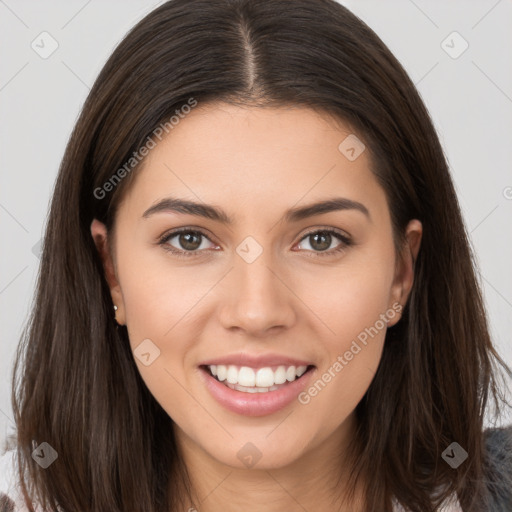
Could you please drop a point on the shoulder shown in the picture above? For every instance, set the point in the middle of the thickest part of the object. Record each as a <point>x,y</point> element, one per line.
<point>497,448</point>
<point>6,482</point>
<point>498,468</point>
<point>497,443</point>
<point>10,498</point>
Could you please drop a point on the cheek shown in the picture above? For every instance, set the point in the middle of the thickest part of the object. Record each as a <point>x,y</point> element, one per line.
<point>351,298</point>
<point>156,294</point>
<point>351,356</point>
<point>354,305</point>
<point>166,306</point>
<point>157,300</point>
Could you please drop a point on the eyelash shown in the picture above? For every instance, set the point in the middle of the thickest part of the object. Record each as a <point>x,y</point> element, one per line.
<point>163,241</point>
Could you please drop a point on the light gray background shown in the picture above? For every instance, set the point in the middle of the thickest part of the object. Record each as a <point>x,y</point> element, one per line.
<point>469,97</point>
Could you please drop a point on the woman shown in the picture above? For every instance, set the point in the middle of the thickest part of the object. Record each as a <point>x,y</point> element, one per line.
<point>256,288</point>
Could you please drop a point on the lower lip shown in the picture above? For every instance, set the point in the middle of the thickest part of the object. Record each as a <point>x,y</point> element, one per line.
<point>255,404</point>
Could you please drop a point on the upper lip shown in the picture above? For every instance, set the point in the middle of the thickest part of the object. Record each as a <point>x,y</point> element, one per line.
<point>256,361</point>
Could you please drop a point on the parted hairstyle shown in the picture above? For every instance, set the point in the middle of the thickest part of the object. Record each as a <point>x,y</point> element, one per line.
<point>75,383</point>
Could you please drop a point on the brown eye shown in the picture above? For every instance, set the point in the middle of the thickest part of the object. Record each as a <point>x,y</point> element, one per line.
<point>190,240</point>
<point>321,240</point>
<point>185,242</point>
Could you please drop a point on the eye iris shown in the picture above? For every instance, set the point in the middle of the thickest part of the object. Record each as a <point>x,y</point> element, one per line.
<point>185,240</point>
<point>324,236</point>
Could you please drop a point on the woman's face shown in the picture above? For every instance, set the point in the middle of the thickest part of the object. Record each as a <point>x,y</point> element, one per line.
<point>279,286</point>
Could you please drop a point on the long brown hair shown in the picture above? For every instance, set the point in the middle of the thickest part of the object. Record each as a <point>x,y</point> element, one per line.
<point>75,383</point>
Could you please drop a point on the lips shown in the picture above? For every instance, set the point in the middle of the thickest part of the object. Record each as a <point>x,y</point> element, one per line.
<point>256,401</point>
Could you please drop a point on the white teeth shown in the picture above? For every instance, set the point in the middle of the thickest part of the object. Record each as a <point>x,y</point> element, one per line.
<point>246,376</point>
<point>280,375</point>
<point>264,378</point>
<point>221,372</point>
<point>232,375</point>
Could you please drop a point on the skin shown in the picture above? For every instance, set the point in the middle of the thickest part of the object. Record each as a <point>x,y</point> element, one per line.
<point>255,164</point>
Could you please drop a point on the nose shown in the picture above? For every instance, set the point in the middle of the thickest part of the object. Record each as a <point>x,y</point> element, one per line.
<point>259,298</point>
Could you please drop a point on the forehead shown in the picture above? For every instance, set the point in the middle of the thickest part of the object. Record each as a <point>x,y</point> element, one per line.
<point>255,157</point>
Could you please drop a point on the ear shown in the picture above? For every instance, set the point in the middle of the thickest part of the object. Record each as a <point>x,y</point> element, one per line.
<point>100,237</point>
<point>404,269</point>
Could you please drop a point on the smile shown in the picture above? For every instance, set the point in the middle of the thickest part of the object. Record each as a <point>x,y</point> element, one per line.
<point>255,391</point>
<point>256,380</point>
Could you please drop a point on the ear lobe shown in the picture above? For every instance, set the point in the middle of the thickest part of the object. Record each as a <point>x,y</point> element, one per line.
<point>404,275</point>
<point>100,236</point>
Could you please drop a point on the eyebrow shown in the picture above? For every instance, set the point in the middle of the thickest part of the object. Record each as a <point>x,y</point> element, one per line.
<point>173,204</point>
